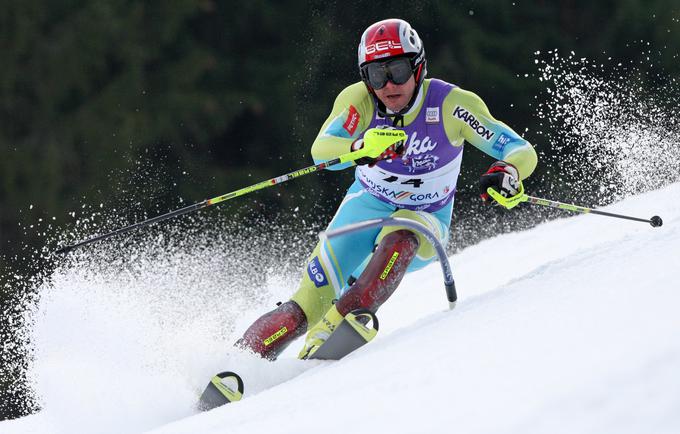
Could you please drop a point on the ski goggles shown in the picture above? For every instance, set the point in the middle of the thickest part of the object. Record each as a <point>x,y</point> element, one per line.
<point>398,71</point>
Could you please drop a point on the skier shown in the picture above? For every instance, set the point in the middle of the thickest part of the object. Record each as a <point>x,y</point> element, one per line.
<point>414,180</point>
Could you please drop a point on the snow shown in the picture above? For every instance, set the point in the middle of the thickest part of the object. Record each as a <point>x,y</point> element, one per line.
<point>571,326</point>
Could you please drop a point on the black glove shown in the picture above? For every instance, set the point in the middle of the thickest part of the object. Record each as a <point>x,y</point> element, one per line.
<point>502,177</point>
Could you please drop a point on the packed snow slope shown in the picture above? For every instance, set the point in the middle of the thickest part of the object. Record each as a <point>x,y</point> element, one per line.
<point>573,326</point>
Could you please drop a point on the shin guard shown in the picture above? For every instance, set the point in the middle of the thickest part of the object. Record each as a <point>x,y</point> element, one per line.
<point>383,273</point>
<point>274,331</point>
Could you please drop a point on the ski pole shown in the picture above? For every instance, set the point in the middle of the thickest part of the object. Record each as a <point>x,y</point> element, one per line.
<point>511,202</point>
<point>375,142</point>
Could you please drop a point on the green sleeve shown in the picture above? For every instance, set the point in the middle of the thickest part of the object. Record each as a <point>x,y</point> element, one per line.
<point>466,117</point>
<point>350,117</point>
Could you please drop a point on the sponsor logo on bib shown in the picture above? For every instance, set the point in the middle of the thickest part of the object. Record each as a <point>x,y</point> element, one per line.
<point>432,115</point>
<point>417,147</point>
<point>424,162</point>
<point>397,196</point>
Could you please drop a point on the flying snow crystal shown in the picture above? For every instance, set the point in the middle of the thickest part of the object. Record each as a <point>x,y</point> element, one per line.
<point>612,136</point>
<point>191,283</point>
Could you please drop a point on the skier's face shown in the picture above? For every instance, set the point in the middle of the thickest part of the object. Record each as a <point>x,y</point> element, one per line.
<point>396,96</point>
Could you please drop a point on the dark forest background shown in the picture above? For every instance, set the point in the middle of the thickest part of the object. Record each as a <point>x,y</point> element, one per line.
<point>138,104</point>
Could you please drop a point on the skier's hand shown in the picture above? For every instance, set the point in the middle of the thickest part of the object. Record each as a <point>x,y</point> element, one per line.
<point>502,177</point>
<point>392,151</point>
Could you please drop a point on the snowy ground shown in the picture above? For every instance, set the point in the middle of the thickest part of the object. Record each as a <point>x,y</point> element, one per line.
<point>571,327</point>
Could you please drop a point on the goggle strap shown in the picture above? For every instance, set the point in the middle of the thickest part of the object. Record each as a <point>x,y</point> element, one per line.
<point>416,75</point>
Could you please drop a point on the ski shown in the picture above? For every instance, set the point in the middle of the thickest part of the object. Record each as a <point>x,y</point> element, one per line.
<point>223,388</point>
<point>357,329</point>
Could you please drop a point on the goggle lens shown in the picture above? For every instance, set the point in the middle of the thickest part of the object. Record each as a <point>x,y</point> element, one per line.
<point>398,71</point>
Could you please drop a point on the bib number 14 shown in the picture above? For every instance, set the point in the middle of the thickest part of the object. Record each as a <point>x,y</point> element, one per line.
<point>415,182</point>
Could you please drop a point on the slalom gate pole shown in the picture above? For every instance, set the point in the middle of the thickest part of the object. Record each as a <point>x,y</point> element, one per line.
<point>449,284</point>
<point>381,139</point>
<point>654,221</point>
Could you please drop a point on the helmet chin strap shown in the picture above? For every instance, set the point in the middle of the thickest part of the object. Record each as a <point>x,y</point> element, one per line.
<point>397,117</point>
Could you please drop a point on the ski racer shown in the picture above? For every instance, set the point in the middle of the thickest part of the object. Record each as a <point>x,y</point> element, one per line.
<point>414,180</point>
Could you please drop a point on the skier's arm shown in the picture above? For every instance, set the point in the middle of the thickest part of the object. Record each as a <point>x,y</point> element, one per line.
<point>349,119</point>
<point>467,117</point>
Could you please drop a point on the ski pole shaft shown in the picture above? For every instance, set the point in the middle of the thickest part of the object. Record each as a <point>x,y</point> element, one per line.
<point>206,203</point>
<point>179,212</point>
<point>382,139</point>
<point>655,221</point>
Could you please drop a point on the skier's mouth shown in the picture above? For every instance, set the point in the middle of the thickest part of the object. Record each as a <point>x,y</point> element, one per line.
<point>394,97</point>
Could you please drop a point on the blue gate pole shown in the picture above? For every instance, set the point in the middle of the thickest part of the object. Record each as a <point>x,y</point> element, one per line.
<point>449,284</point>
